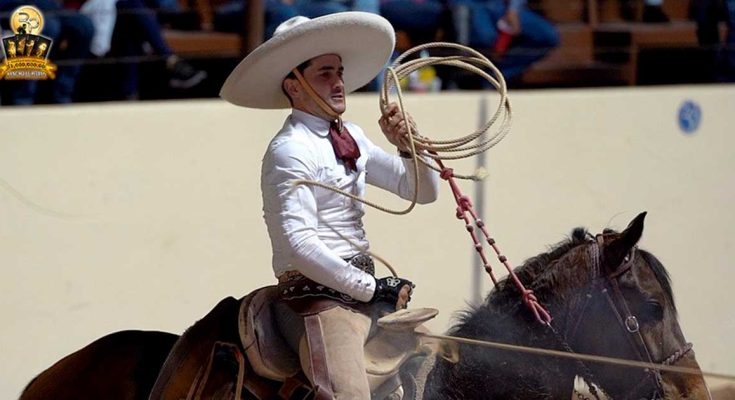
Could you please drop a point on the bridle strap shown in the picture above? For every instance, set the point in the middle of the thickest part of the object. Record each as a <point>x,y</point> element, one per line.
<point>629,323</point>
<point>633,330</point>
<point>600,282</point>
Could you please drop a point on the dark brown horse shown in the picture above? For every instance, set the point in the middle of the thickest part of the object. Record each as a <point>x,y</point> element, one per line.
<point>607,296</point>
<point>122,365</point>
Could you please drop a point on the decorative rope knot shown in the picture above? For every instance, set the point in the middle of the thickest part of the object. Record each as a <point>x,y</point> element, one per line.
<point>464,203</point>
<point>528,297</point>
<point>446,173</point>
<point>530,300</point>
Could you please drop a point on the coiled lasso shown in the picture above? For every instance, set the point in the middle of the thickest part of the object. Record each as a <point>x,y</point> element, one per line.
<point>437,150</point>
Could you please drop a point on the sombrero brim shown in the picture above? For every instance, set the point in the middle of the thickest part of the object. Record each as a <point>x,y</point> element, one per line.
<point>364,41</point>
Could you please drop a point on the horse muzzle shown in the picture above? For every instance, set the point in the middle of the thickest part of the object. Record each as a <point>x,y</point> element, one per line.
<point>685,386</point>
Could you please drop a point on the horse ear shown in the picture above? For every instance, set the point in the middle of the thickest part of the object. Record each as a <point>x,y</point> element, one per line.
<point>618,249</point>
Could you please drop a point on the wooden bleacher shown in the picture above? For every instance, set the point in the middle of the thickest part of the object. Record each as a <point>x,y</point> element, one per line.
<point>573,63</point>
<point>599,46</point>
<point>204,43</point>
<point>208,43</point>
<point>623,43</point>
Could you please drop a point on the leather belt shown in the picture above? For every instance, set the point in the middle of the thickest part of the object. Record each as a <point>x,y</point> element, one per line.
<point>361,261</point>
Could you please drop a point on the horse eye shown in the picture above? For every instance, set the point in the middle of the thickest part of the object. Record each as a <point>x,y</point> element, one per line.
<point>654,310</point>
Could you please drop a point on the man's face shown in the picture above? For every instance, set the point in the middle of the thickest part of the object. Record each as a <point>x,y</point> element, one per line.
<point>324,74</point>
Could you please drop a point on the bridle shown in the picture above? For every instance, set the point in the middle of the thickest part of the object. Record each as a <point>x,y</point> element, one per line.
<point>608,285</point>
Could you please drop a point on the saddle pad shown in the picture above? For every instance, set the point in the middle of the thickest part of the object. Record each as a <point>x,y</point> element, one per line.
<point>268,353</point>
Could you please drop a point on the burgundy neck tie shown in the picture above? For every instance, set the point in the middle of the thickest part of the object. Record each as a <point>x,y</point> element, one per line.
<point>345,147</point>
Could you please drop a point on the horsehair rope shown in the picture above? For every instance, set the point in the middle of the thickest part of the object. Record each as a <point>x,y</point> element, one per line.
<point>579,356</point>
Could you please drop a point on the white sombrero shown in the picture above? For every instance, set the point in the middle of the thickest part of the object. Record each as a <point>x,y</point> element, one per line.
<point>364,41</point>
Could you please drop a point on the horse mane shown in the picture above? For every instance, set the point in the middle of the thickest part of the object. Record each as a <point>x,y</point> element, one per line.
<point>503,301</point>
<point>542,273</point>
<point>546,274</point>
<point>534,267</point>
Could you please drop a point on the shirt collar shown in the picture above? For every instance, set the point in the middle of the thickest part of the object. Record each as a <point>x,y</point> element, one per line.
<point>315,124</point>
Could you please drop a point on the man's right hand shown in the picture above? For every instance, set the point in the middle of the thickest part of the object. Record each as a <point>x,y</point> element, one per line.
<point>394,291</point>
<point>393,123</point>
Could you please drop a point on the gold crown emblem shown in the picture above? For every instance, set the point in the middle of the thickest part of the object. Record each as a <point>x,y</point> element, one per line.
<point>26,51</point>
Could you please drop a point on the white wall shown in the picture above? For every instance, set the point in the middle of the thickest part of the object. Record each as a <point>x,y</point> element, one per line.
<point>144,215</point>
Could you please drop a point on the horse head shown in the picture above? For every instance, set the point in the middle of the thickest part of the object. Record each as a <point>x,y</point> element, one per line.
<point>627,311</point>
<point>607,297</point>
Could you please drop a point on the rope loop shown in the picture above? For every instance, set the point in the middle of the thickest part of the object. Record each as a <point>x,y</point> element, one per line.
<point>466,146</point>
<point>434,151</point>
<point>431,152</point>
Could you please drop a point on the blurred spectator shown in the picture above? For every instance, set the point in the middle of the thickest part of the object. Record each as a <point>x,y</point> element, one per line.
<point>71,33</point>
<point>136,30</point>
<point>421,20</point>
<point>530,37</point>
<point>708,14</point>
<point>230,16</point>
<point>653,11</point>
<point>102,13</point>
<point>318,8</point>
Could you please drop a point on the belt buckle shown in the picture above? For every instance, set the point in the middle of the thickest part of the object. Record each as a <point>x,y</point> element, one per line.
<point>290,276</point>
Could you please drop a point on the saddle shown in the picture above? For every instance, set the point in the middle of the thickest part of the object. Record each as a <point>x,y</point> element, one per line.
<point>237,347</point>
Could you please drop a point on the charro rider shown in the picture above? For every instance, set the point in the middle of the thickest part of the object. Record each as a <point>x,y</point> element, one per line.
<point>326,282</point>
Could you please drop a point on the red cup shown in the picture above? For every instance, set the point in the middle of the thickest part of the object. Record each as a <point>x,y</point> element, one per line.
<point>503,42</point>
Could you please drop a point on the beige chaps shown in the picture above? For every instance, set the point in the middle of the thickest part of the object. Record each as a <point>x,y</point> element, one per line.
<point>344,333</point>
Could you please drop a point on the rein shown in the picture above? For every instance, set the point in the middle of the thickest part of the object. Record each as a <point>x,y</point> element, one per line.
<point>463,147</point>
<point>466,212</point>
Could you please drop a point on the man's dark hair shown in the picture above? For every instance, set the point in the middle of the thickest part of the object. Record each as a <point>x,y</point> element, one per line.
<point>301,67</point>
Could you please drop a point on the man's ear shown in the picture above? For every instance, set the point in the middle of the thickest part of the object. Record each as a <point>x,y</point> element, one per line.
<point>292,87</point>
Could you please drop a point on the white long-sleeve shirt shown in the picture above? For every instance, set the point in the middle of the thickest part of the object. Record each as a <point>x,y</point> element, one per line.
<point>301,219</point>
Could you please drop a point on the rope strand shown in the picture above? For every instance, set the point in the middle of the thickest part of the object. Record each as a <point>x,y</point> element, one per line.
<point>465,146</point>
<point>579,356</point>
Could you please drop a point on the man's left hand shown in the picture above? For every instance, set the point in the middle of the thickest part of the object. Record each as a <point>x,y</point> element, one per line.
<point>404,296</point>
<point>394,125</point>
